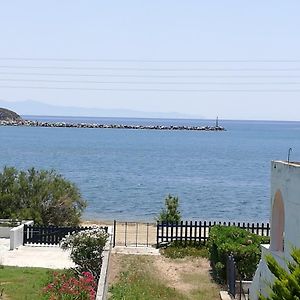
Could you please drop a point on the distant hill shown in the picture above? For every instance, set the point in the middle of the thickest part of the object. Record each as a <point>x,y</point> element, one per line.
<point>31,108</point>
<point>9,115</point>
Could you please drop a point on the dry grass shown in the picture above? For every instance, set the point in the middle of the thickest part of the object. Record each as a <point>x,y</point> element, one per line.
<point>187,278</point>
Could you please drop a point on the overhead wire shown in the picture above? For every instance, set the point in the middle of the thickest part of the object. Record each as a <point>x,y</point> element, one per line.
<point>149,89</point>
<point>151,83</point>
<point>128,60</point>
<point>183,73</point>
<point>146,76</point>
<point>152,69</point>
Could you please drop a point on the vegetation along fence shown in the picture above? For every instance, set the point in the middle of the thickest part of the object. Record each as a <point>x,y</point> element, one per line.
<point>198,232</point>
<point>50,235</point>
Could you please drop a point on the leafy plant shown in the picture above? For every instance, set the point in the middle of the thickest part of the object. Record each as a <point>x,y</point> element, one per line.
<point>243,245</point>
<point>43,196</point>
<point>86,249</point>
<point>181,250</point>
<point>170,212</point>
<point>67,287</point>
<point>287,282</point>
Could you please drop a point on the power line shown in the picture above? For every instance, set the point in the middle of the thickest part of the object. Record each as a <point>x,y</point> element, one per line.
<point>147,76</point>
<point>152,69</point>
<point>151,89</point>
<point>152,60</point>
<point>150,83</point>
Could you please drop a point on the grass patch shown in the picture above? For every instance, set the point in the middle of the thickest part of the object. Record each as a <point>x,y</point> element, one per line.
<point>23,283</point>
<point>203,286</point>
<point>177,250</point>
<point>138,277</point>
<point>138,281</point>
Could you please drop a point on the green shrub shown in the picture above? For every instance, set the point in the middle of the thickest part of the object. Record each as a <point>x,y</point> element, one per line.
<point>170,212</point>
<point>86,249</point>
<point>43,196</point>
<point>287,283</point>
<point>180,250</point>
<point>244,246</point>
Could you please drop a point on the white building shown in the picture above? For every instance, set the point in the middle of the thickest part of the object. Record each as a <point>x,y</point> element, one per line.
<point>284,220</point>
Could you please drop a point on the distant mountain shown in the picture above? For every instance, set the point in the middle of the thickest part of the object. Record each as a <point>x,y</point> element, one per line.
<point>42,109</point>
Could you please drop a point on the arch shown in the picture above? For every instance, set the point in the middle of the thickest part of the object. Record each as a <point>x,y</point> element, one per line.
<point>277,226</point>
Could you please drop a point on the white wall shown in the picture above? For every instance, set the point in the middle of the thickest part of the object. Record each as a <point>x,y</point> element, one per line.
<point>286,179</point>
<point>17,235</point>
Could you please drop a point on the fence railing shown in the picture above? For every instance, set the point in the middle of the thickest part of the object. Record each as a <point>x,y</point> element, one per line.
<point>50,235</point>
<point>134,234</point>
<point>198,232</point>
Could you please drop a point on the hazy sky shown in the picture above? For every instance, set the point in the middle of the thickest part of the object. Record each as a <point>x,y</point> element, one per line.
<point>235,59</point>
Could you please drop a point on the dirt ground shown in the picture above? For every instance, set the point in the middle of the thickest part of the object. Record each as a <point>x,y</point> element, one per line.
<point>184,275</point>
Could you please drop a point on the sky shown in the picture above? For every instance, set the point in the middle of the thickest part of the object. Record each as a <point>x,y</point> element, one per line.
<point>234,59</point>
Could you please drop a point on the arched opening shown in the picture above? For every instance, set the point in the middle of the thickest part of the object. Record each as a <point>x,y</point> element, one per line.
<point>277,226</point>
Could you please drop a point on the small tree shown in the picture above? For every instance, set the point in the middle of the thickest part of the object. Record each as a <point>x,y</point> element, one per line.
<point>43,196</point>
<point>170,212</point>
<point>287,283</point>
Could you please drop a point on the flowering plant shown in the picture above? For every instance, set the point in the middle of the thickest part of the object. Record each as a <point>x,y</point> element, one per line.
<point>86,249</point>
<point>65,287</point>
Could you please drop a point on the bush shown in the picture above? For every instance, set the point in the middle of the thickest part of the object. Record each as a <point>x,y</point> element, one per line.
<point>181,250</point>
<point>66,286</point>
<point>287,283</point>
<point>86,249</point>
<point>244,246</point>
<point>170,213</point>
<point>43,196</point>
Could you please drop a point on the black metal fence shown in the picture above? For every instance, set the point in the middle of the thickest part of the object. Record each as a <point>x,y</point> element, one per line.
<point>236,287</point>
<point>49,235</point>
<point>198,232</point>
<point>231,275</point>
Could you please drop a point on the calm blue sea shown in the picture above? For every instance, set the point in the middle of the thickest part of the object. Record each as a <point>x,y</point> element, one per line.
<point>126,174</point>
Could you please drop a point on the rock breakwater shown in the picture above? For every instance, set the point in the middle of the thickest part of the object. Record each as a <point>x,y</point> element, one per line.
<point>31,123</point>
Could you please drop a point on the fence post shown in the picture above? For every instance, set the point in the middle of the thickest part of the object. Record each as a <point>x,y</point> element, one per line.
<point>147,234</point>
<point>231,275</point>
<point>25,234</point>
<point>136,233</point>
<point>125,234</point>
<point>157,234</point>
<point>115,230</point>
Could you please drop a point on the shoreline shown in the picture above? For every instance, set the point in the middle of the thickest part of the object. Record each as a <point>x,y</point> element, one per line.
<point>153,222</point>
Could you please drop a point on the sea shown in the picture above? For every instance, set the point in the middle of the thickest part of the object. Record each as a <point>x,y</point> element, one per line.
<point>126,174</point>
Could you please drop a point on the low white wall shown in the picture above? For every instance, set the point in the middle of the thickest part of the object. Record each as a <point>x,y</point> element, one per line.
<point>102,284</point>
<point>17,235</point>
<point>4,232</point>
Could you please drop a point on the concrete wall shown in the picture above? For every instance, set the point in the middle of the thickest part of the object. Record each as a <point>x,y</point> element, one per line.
<point>5,232</point>
<point>103,284</point>
<point>286,179</point>
<point>17,235</point>
<point>284,220</point>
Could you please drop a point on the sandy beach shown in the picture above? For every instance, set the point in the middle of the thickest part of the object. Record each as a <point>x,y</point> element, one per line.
<point>129,233</point>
